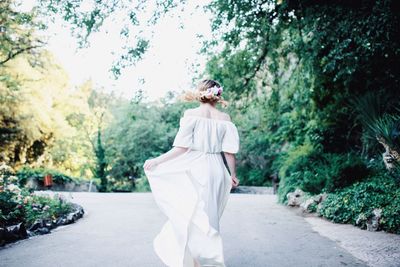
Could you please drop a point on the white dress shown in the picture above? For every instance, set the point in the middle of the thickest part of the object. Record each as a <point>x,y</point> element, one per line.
<point>192,190</point>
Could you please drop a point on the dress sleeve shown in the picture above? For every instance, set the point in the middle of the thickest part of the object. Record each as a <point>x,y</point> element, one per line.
<point>230,142</point>
<point>184,136</point>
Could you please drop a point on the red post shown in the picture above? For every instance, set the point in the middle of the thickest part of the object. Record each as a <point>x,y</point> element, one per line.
<point>48,180</point>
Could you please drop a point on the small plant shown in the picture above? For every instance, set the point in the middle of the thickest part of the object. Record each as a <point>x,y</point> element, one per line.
<point>381,125</point>
<point>20,205</point>
<point>355,204</point>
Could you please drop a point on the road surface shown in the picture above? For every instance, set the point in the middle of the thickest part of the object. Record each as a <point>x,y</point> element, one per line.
<point>118,229</point>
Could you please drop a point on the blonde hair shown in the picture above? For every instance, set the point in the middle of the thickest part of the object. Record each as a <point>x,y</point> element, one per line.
<point>198,94</point>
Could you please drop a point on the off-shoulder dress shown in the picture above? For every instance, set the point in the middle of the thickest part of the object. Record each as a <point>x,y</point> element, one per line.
<point>192,190</point>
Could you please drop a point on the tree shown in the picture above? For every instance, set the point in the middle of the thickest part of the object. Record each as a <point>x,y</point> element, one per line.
<point>293,66</point>
<point>86,18</point>
<point>18,33</point>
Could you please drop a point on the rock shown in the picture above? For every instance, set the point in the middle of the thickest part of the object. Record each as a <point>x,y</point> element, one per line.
<point>258,190</point>
<point>61,220</point>
<point>37,224</point>
<point>79,211</point>
<point>15,232</point>
<point>361,218</point>
<point>305,206</point>
<point>49,224</point>
<point>295,198</point>
<point>320,197</point>
<point>30,233</point>
<point>373,221</point>
<point>42,231</point>
<point>40,226</point>
<point>70,218</point>
<point>2,236</point>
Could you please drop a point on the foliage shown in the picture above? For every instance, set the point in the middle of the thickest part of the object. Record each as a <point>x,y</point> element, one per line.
<point>19,205</point>
<point>142,185</point>
<point>379,119</point>
<point>119,185</point>
<point>42,121</point>
<point>312,171</point>
<point>85,19</point>
<point>26,173</point>
<point>18,35</point>
<point>290,173</point>
<point>45,207</point>
<point>139,131</point>
<point>294,67</point>
<point>355,204</point>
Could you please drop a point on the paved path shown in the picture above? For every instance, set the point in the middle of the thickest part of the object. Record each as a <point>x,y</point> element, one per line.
<point>118,230</point>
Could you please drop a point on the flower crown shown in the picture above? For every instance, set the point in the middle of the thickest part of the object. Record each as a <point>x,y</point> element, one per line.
<point>212,91</point>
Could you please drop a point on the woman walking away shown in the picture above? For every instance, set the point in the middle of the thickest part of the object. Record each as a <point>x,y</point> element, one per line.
<point>191,184</point>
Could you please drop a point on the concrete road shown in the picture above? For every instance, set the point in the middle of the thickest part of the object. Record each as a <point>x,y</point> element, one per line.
<point>118,230</point>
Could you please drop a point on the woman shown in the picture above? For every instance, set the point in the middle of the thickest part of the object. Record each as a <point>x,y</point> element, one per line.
<point>191,184</point>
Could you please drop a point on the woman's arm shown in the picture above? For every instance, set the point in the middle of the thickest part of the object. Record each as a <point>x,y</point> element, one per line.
<point>231,161</point>
<point>173,153</point>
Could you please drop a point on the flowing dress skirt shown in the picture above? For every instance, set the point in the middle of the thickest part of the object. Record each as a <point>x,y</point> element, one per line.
<point>192,191</point>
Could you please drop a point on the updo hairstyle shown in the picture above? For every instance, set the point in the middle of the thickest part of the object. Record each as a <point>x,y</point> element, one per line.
<point>207,91</point>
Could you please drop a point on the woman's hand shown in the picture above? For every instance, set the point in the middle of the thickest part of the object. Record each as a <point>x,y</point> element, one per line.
<point>171,154</point>
<point>235,181</point>
<point>150,163</point>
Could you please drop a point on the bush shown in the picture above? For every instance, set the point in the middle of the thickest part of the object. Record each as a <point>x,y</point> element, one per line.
<point>20,205</point>
<point>11,211</point>
<point>26,173</point>
<point>142,185</point>
<point>313,171</point>
<point>45,207</point>
<point>291,168</point>
<point>341,170</point>
<point>380,191</point>
<point>120,186</point>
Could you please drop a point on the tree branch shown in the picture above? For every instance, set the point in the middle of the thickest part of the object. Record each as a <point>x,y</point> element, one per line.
<point>264,52</point>
<point>12,55</point>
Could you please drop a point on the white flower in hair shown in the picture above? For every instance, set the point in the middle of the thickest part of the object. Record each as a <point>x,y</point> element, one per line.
<point>212,91</point>
<point>216,90</point>
<point>209,92</point>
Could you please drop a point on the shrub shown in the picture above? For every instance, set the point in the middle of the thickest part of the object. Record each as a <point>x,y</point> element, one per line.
<point>23,206</point>
<point>120,186</point>
<point>142,185</point>
<point>314,171</point>
<point>45,207</point>
<point>291,169</point>
<point>342,170</point>
<point>360,199</point>
<point>20,205</point>
<point>11,211</point>
<point>26,173</point>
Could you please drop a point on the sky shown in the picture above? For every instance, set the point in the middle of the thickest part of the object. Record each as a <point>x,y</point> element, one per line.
<point>166,66</point>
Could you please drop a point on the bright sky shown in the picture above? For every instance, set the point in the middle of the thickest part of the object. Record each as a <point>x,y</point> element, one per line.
<point>167,65</point>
